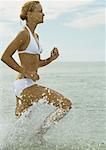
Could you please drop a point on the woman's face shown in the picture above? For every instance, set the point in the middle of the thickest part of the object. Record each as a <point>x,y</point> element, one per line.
<point>37,14</point>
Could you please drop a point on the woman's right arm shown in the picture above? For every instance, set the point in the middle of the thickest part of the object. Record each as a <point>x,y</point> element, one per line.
<point>11,49</point>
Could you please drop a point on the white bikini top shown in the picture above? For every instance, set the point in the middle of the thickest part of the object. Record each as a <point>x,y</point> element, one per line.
<point>33,47</point>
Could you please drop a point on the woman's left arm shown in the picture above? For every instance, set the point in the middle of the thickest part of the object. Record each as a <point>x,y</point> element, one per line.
<point>53,56</point>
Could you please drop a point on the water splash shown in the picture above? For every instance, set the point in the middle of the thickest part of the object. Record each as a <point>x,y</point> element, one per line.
<point>21,134</point>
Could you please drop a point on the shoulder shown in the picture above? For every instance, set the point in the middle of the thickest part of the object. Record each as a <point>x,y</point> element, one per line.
<point>22,36</point>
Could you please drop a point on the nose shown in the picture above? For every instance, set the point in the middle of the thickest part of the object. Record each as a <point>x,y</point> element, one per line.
<point>43,14</point>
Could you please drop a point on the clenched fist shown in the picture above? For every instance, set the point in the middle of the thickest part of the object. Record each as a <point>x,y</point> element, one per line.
<point>32,75</point>
<point>54,53</point>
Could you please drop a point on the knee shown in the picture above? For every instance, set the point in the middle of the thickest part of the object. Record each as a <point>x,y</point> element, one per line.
<point>66,104</point>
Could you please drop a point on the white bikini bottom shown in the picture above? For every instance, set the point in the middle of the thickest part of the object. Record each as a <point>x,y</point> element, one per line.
<point>21,84</point>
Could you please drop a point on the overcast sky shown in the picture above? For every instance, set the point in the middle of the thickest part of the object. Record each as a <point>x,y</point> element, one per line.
<point>76,27</point>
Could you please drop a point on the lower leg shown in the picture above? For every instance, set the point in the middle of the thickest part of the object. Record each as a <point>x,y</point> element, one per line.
<point>54,117</point>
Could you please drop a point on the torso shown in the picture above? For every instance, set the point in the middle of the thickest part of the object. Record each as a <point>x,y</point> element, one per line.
<point>29,62</point>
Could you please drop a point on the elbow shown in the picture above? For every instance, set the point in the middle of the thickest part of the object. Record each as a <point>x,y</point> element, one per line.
<point>4,58</point>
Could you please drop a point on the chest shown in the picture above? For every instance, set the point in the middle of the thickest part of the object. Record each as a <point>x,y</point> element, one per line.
<point>33,42</point>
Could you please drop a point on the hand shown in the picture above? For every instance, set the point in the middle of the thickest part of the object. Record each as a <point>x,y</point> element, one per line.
<point>32,74</point>
<point>54,53</point>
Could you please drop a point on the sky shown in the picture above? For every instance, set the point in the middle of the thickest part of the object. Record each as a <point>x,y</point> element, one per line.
<point>75,27</point>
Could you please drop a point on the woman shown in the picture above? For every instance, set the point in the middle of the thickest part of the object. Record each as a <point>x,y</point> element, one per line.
<point>27,91</point>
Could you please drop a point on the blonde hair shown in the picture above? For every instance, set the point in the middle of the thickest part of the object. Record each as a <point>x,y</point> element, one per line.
<point>28,6</point>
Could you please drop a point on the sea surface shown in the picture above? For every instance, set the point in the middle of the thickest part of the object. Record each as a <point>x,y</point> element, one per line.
<point>83,128</point>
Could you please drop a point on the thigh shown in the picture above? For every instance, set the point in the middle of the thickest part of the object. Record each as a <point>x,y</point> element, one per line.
<point>37,92</point>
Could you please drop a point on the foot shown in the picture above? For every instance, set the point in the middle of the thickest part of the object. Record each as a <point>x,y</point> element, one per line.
<point>40,137</point>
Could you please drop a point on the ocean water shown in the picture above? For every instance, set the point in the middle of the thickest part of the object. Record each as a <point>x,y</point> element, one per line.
<point>84,127</point>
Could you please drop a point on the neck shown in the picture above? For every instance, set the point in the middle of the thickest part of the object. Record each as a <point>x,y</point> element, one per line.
<point>32,26</point>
